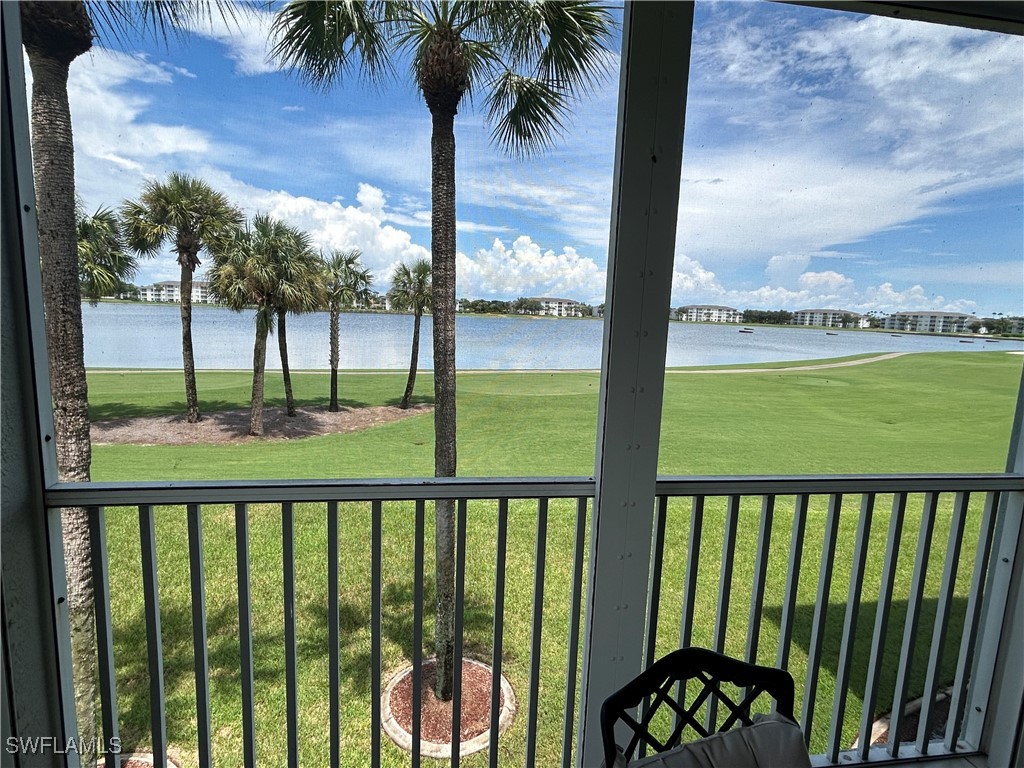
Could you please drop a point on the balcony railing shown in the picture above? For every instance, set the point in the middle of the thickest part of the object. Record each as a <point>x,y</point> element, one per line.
<point>328,586</point>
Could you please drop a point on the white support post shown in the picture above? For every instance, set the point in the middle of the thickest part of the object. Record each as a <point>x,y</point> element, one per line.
<point>649,143</point>
<point>38,691</point>
<point>995,717</point>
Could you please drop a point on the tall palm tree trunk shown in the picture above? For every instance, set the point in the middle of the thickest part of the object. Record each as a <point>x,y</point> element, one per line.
<point>259,364</point>
<point>282,346</point>
<point>187,357</point>
<point>54,171</point>
<point>335,356</point>
<point>413,360</point>
<point>442,244</point>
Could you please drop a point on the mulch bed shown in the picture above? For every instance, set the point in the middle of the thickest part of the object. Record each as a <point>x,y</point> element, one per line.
<point>436,715</point>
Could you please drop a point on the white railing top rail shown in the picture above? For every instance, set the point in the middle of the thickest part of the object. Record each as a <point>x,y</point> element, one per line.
<point>263,491</point>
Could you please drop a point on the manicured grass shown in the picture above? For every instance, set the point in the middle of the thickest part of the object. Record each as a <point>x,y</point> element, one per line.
<point>933,412</point>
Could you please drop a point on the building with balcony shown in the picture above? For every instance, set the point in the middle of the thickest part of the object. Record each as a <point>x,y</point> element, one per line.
<point>709,313</point>
<point>830,318</point>
<point>170,291</point>
<point>558,307</point>
<point>859,644</point>
<point>930,322</point>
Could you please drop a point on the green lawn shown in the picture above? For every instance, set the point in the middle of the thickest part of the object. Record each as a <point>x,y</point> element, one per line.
<point>934,412</point>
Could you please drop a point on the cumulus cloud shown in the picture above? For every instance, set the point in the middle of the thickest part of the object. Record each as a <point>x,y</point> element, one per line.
<point>784,268</point>
<point>526,269</point>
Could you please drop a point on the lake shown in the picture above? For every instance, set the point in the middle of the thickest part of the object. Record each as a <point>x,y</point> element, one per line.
<point>149,336</point>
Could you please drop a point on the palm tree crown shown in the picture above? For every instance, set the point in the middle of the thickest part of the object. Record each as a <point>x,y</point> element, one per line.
<point>346,280</point>
<point>104,263</point>
<point>411,287</point>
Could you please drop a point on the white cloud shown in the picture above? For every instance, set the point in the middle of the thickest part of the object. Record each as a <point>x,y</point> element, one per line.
<point>246,36</point>
<point>525,269</point>
<point>782,269</point>
<point>829,282</point>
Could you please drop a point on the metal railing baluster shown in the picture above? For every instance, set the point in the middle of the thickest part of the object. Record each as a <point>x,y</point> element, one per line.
<point>732,518</point>
<point>376,557</point>
<point>878,635</point>
<point>916,597</point>
<point>653,599</point>
<point>104,635</point>
<point>796,549</point>
<point>828,556</point>
<point>499,628</point>
<point>417,633</point>
<point>460,604</point>
<point>845,668</point>
<point>333,638</point>
<point>290,648</point>
<point>200,654</point>
<point>572,655</point>
<point>535,631</point>
<point>690,589</point>
<point>764,541</point>
<point>968,639</point>
<point>245,635</point>
<point>926,719</point>
<point>154,642</point>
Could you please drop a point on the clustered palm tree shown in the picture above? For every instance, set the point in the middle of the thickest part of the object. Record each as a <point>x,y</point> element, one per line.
<point>531,60</point>
<point>411,291</point>
<point>268,265</point>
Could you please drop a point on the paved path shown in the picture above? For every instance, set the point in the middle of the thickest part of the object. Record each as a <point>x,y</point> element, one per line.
<point>815,367</point>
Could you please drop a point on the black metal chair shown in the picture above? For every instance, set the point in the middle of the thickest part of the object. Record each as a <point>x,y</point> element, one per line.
<point>706,667</point>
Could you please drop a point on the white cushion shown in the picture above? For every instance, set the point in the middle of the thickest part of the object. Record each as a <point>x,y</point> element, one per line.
<point>771,741</point>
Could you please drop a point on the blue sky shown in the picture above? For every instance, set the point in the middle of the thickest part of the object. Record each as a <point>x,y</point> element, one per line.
<point>830,160</point>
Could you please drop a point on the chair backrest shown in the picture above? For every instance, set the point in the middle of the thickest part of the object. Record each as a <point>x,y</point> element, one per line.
<point>706,667</point>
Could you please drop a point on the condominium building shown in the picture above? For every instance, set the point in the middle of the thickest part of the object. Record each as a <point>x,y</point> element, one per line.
<point>709,313</point>
<point>830,318</point>
<point>930,322</point>
<point>558,307</point>
<point>170,291</point>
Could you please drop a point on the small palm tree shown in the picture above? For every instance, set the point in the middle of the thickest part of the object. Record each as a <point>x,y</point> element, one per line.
<point>532,59</point>
<point>189,214</point>
<point>346,282</point>
<point>104,262</point>
<point>411,291</point>
<point>250,271</point>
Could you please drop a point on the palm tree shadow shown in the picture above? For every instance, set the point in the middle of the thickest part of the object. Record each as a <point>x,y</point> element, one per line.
<point>397,628</point>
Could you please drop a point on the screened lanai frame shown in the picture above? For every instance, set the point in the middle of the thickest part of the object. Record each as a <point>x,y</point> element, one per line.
<point>648,162</point>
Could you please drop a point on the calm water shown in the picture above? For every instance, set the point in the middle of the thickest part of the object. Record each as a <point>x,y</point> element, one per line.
<point>149,336</point>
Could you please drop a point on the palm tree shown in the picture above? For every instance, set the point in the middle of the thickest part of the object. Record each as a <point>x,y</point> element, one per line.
<point>104,263</point>
<point>346,282</point>
<point>54,35</point>
<point>300,289</point>
<point>532,59</point>
<point>189,214</point>
<point>255,268</point>
<point>411,291</point>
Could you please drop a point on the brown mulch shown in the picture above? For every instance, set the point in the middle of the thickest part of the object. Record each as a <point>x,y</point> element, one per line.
<point>911,719</point>
<point>233,426</point>
<point>436,715</point>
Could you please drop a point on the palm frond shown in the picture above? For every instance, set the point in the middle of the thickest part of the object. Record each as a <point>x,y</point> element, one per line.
<point>527,112</point>
<point>120,21</point>
<point>322,39</point>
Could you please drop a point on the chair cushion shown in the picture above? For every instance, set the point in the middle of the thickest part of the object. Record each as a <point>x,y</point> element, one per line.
<point>771,741</point>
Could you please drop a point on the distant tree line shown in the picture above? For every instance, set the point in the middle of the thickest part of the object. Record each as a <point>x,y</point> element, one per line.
<point>767,316</point>
<point>997,325</point>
